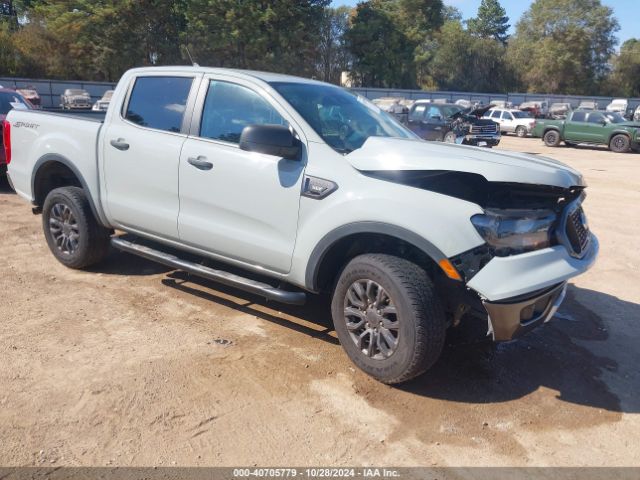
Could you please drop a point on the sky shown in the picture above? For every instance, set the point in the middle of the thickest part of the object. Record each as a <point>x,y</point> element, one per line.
<point>624,10</point>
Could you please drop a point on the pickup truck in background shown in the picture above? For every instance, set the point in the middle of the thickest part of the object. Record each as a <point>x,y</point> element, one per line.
<point>591,127</point>
<point>451,123</point>
<point>75,98</point>
<point>295,187</point>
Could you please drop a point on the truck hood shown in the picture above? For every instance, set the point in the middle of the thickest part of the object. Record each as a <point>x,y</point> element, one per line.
<point>397,154</point>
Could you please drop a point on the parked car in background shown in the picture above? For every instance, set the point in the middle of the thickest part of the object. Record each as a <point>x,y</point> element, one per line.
<point>636,115</point>
<point>448,122</point>
<point>587,105</point>
<point>75,98</point>
<point>464,103</point>
<point>9,100</point>
<point>619,105</point>
<point>537,108</point>
<point>591,127</point>
<point>559,111</point>
<point>406,236</point>
<point>103,104</point>
<point>512,121</point>
<point>31,94</point>
<point>394,106</point>
<point>501,104</point>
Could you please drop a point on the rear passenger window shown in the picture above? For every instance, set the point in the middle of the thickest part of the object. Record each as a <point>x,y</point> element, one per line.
<point>159,102</point>
<point>230,107</point>
<point>579,116</point>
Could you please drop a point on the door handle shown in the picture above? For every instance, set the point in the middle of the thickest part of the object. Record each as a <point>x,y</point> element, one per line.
<point>200,162</point>
<point>120,144</point>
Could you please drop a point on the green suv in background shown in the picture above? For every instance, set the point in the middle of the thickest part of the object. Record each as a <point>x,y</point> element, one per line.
<point>592,127</point>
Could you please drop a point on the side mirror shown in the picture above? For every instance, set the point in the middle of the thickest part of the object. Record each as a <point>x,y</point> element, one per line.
<point>276,140</point>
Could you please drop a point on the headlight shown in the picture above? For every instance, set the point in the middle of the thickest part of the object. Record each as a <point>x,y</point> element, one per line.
<point>509,232</point>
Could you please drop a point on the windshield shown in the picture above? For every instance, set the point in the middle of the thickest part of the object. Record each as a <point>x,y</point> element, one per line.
<point>77,92</point>
<point>614,117</point>
<point>8,101</point>
<point>344,120</point>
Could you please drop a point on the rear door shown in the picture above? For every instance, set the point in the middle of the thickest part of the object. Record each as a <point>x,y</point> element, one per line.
<point>507,124</point>
<point>233,203</point>
<point>141,149</point>
<point>575,127</point>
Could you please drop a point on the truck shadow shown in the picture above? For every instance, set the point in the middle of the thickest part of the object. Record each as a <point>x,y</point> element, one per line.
<point>565,355</point>
<point>560,356</point>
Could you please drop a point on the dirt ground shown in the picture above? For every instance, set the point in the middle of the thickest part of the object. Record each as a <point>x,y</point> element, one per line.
<point>132,364</point>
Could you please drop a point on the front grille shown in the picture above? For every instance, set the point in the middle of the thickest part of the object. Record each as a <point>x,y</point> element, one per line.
<point>80,101</point>
<point>484,129</point>
<point>577,231</point>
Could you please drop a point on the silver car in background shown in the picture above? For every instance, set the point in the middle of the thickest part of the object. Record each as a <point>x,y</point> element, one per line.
<point>103,104</point>
<point>75,98</point>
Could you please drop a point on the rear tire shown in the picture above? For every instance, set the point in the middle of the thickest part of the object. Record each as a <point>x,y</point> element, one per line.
<point>551,138</point>
<point>73,234</point>
<point>388,318</point>
<point>521,131</point>
<point>620,144</point>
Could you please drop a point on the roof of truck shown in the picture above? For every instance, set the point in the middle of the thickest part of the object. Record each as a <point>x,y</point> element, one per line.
<point>264,76</point>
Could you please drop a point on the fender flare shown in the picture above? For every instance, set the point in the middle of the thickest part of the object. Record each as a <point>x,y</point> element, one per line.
<point>324,245</point>
<point>53,157</point>
<point>619,132</point>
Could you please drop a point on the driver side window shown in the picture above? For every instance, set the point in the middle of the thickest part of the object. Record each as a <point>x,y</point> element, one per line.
<point>229,108</point>
<point>596,118</point>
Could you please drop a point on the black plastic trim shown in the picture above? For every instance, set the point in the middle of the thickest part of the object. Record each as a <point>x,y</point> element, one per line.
<point>248,285</point>
<point>52,157</point>
<point>325,244</point>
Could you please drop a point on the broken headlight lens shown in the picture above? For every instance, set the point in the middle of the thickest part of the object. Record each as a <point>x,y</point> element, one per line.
<point>510,231</point>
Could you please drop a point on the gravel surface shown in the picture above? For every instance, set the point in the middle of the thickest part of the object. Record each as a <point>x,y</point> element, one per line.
<point>132,364</point>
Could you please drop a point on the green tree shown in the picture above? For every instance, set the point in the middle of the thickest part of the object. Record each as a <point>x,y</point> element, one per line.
<point>466,62</point>
<point>563,46</point>
<point>382,54</point>
<point>491,22</point>
<point>332,54</point>
<point>280,35</point>
<point>625,78</point>
<point>451,14</point>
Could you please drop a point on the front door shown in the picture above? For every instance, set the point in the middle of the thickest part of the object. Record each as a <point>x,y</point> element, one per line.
<point>236,204</point>
<point>141,149</point>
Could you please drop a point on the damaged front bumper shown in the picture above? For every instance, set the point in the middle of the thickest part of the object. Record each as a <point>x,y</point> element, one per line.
<point>511,319</point>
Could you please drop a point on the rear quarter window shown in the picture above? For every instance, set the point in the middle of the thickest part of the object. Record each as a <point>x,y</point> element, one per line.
<point>159,102</point>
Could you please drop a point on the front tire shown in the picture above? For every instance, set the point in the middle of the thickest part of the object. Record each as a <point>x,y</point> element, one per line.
<point>551,138</point>
<point>73,234</point>
<point>620,144</point>
<point>388,318</point>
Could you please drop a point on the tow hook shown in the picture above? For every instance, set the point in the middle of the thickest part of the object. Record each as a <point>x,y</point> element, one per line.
<point>36,210</point>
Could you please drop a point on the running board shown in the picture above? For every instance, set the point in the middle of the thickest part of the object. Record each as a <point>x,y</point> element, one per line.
<point>268,291</point>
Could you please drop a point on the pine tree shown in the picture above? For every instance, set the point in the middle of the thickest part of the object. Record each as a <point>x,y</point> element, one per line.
<point>491,22</point>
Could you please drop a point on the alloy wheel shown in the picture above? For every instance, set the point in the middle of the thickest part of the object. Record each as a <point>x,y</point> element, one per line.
<point>64,229</point>
<point>371,319</point>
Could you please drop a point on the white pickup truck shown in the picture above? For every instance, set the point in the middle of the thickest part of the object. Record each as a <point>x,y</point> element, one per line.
<point>302,187</point>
